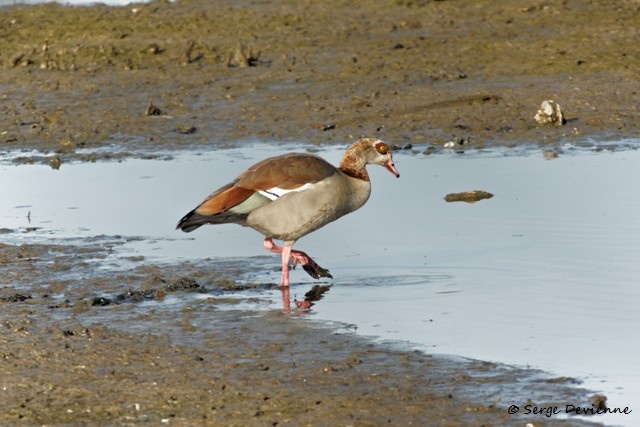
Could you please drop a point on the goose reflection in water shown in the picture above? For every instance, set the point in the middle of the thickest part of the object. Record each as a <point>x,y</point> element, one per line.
<point>304,305</point>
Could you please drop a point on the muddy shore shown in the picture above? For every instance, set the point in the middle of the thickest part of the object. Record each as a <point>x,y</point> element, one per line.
<point>79,345</point>
<point>193,73</point>
<point>93,83</point>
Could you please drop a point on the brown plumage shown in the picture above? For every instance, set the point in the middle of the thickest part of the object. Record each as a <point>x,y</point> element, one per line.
<point>288,196</point>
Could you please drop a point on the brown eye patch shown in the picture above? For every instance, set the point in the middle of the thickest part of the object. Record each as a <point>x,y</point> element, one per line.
<point>382,148</point>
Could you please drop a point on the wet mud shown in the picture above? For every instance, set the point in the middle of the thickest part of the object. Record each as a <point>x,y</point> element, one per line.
<point>80,342</point>
<point>199,74</point>
<point>78,348</point>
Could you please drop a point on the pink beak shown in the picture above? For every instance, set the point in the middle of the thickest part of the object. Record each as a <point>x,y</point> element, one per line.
<point>391,168</point>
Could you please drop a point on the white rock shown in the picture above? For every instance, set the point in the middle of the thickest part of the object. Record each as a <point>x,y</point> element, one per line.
<point>549,112</point>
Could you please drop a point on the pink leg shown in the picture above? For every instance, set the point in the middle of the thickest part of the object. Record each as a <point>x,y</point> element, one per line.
<point>286,257</point>
<point>309,265</point>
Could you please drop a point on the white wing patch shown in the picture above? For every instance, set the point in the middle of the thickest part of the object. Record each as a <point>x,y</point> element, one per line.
<point>275,192</point>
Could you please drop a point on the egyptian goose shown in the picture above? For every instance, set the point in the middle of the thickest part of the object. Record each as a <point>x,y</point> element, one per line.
<point>289,196</point>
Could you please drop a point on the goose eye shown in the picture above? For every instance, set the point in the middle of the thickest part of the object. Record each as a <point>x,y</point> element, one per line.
<point>382,148</point>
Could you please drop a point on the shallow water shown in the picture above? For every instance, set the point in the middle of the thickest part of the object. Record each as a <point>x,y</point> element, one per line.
<point>542,275</point>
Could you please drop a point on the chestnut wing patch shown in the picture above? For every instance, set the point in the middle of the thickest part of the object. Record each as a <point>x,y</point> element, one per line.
<point>273,175</point>
<point>287,172</point>
<point>224,199</point>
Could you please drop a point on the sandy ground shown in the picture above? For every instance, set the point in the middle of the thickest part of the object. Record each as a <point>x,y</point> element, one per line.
<point>92,83</point>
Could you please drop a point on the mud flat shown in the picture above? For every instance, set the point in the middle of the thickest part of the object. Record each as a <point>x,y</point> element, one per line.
<point>80,343</point>
<point>99,328</point>
<point>84,345</point>
<point>195,73</point>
